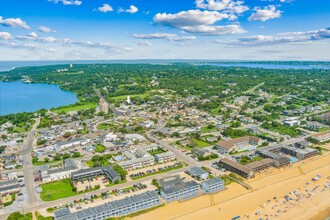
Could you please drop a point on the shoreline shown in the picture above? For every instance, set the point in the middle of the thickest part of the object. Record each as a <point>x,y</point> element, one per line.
<point>262,200</point>
<point>323,214</point>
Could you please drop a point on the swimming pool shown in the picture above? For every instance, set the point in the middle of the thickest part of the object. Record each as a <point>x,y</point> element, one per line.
<point>293,159</point>
<point>119,158</point>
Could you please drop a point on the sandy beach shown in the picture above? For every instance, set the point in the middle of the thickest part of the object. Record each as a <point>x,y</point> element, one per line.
<point>309,199</point>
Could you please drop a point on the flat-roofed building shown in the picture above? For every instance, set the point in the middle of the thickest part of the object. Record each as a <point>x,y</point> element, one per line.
<point>237,144</point>
<point>115,208</point>
<point>137,163</point>
<point>170,181</point>
<point>281,161</point>
<point>165,157</point>
<point>65,171</point>
<point>181,191</point>
<point>237,168</point>
<point>199,173</point>
<point>299,153</point>
<point>213,185</point>
<point>321,137</point>
<point>261,165</point>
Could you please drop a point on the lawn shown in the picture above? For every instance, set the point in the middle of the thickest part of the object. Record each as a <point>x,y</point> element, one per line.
<point>75,107</point>
<point>90,163</point>
<point>200,143</point>
<point>124,97</point>
<point>56,190</point>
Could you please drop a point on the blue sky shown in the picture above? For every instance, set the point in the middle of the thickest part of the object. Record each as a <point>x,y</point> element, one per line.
<point>165,29</point>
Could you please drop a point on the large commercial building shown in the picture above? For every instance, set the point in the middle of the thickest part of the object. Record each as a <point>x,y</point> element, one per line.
<point>299,153</point>
<point>65,171</point>
<point>112,209</point>
<point>232,166</point>
<point>213,185</point>
<point>237,144</point>
<point>107,171</point>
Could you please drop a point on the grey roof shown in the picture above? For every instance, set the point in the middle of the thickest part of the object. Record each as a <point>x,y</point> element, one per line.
<point>111,173</point>
<point>179,187</point>
<point>103,208</point>
<point>122,203</point>
<point>11,187</point>
<point>282,159</point>
<point>84,213</point>
<point>140,198</point>
<point>198,171</point>
<point>8,183</point>
<point>62,212</point>
<point>66,217</point>
<point>165,154</point>
<point>170,181</point>
<point>69,163</point>
<point>86,171</point>
<point>137,160</point>
<point>213,181</point>
<point>152,194</point>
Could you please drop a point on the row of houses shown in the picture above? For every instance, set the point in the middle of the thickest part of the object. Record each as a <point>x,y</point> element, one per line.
<point>115,208</point>
<point>47,174</point>
<point>321,137</point>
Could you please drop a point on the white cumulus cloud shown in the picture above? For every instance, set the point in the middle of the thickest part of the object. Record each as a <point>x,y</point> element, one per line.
<point>165,36</point>
<point>5,36</point>
<point>105,8</point>
<point>45,29</point>
<point>264,14</point>
<point>14,22</point>
<point>67,2</point>
<point>220,5</point>
<point>132,9</point>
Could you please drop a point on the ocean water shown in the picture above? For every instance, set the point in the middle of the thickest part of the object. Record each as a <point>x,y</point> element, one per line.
<point>29,97</point>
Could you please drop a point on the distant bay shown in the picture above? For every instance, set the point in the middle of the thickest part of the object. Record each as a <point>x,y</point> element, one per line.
<point>29,97</point>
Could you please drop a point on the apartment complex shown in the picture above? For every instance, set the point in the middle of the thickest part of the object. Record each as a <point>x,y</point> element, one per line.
<point>165,157</point>
<point>112,209</point>
<point>181,191</point>
<point>237,144</point>
<point>65,171</point>
<point>232,166</point>
<point>321,137</point>
<point>213,185</point>
<point>107,171</point>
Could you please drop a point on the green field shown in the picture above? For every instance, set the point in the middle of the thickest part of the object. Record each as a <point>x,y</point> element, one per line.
<point>124,97</point>
<point>75,107</point>
<point>90,163</point>
<point>200,143</point>
<point>56,190</point>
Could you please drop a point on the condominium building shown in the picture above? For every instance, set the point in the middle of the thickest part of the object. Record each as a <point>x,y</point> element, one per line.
<point>199,173</point>
<point>107,171</point>
<point>232,166</point>
<point>237,144</point>
<point>115,208</point>
<point>103,106</point>
<point>165,157</point>
<point>213,185</point>
<point>137,163</point>
<point>65,171</point>
<point>181,191</point>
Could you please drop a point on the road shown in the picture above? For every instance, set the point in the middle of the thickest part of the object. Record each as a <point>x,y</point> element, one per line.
<point>28,166</point>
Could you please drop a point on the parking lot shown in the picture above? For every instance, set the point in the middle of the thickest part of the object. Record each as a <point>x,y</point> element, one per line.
<point>90,183</point>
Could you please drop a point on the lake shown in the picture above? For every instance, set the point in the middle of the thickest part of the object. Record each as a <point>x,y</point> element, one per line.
<point>29,97</point>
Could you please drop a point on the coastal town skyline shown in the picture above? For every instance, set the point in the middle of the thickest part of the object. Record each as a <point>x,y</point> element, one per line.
<point>199,29</point>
